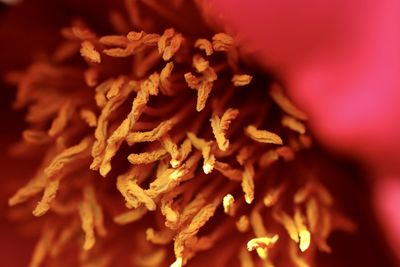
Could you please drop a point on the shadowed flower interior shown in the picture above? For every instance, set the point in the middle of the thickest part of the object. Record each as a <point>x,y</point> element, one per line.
<point>161,148</point>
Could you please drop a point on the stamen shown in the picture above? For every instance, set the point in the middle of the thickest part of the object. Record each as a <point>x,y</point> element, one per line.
<point>284,103</point>
<point>159,238</point>
<point>62,118</point>
<point>304,234</point>
<point>117,101</point>
<point>148,87</point>
<point>257,224</point>
<point>245,258</point>
<point>263,136</point>
<point>154,258</point>
<point>115,87</point>
<point>89,117</point>
<point>68,155</point>
<point>289,224</point>
<point>241,80</point>
<point>172,149</point>
<point>86,214</point>
<point>228,202</point>
<point>157,133</point>
<point>133,193</point>
<point>49,194</point>
<point>64,238</point>
<point>165,81</point>
<point>147,157</point>
<point>297,260</point>
<point>312,213</point>
<point>200,64</point>
<point>229,172</point>
<point>268,158</point>
<point>89,52</point>
<point>221,125</point>
<point>204,45</point>
<point>205,148</point>
<point>91,77</point>
<point>114,40</point>
<point>262,244</point>
<point>177,262</point>
<point>42,247</point>
<point>36,137</point>
<point>172,216</point>
<point>203,85</point>
<point>169,43</point>
<point>272,197</point>
<point>244,154</point>
<point>243,224</point>
<point>98,217</point>
<point>222,42</point>
<point>130,216</point>
<point>293,124</point>
<point>248,183</point>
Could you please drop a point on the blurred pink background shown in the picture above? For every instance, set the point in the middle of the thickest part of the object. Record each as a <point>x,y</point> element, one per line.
<point>340,61</point>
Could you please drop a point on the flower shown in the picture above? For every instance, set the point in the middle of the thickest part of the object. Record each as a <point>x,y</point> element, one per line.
<point>142,135</point>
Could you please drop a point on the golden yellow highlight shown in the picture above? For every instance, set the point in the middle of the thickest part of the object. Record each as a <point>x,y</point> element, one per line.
<point>228,202</point>
<point>262,243</point>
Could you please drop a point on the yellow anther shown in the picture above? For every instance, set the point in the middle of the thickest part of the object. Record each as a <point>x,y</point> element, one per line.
<point>228,204</point>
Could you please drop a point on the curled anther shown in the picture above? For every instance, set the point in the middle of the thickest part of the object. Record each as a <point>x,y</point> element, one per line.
<point>169,43</point>
<point>204,45</point>
<point>222,42</point>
